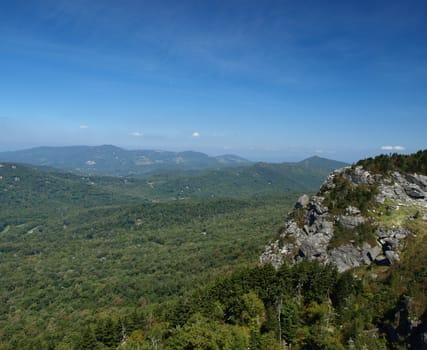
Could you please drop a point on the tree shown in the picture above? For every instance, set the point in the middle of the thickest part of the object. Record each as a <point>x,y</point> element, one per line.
<point>87,340</point>
<point>289,320</point>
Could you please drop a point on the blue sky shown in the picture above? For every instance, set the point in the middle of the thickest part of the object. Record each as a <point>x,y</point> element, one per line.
<point>268,80</point>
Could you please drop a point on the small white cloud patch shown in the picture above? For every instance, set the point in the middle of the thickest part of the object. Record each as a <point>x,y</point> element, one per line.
<point>90,162</point>
<point>136,134</point>
<point>195,134</point>
<point>392,148</point>
<point>83,126</point>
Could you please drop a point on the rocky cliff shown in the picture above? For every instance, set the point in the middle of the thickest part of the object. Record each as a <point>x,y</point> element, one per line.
<point>357,218</point>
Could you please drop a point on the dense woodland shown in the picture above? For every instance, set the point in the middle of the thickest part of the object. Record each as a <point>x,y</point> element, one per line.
<point>87,265</point>
<point>75,249</point>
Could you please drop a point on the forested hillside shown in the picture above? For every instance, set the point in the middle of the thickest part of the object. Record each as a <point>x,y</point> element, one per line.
<point>76,249</point>
<point>241,182</point>
<point>124,272</point>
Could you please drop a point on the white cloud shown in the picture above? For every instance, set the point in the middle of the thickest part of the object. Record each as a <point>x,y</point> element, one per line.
<point>392,148</point>
<point>83,126</point>
<point>195,134</point>
<point>136,134</point>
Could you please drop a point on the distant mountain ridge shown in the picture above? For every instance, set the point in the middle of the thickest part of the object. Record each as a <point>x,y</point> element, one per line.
<point>108,160</point>
<point>115,161</point>
<point>259,179</point>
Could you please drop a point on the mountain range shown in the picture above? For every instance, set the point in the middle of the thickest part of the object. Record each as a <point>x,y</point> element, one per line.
<point>259,179</point>
<point>114,161</point>
<point>164,175</point>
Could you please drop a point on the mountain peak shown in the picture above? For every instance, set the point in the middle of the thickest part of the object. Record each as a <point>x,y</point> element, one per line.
<point>316,161</point>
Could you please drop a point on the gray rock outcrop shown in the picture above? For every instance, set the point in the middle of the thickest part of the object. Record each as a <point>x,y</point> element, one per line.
<point>309,241</point>
<point>309,237</point>
<point>302,201</point>
<point>345,257</point>
<point>404,189</point>
<point>351,222</point>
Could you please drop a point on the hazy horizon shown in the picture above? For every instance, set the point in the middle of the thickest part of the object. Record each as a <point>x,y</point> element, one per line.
<point>269,155</point>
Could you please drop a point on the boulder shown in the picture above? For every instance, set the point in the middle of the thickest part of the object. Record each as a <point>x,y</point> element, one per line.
<point>317,208</point>
<point>361,177</point>
<point>401,235</point>
<point>370,253</point>
<point>351,222</point>
<point>390,244</point>
<point>394,232</point>
<point>392,257</point>
<point>352,210</point>
<point>382,260</point>
<point>365,257</point>
<point>309,250</point>
<point>345,257</point>
<point>302,201</point>
<point>414,191</point>
<point>272,255</point>
<point>419,180</point>
<point>326,227</point>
